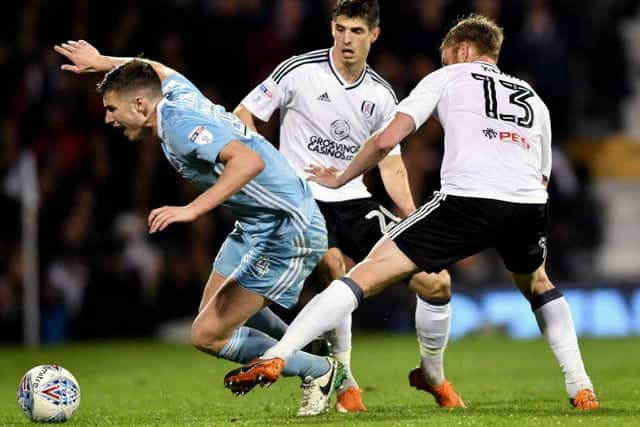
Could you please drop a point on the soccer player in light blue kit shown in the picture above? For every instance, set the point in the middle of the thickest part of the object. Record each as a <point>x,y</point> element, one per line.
<point>279,235</point>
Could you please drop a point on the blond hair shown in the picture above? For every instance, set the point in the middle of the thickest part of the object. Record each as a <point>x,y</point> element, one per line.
<point>483,32</point>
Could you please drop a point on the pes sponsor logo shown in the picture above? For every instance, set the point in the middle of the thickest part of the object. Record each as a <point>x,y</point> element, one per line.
<point>505,136</point>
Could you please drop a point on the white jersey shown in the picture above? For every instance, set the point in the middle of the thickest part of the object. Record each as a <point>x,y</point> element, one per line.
<point>497,132</point>
<point>323,119</point>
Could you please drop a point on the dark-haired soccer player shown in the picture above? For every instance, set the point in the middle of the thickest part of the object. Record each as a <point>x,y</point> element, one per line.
<point>279,234</point>
<point>330,101</point>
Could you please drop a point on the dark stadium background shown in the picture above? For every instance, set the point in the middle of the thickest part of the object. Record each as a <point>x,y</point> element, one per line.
<point>101,275</point>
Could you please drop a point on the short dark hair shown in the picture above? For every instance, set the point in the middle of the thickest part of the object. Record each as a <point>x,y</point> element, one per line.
<point>369,10</point>
<point>133,74</point>
<point>483,32</point>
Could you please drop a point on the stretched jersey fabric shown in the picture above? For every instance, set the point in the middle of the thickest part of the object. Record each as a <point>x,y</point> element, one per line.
<point>193,130</point>
<point>323,119</point>
<point>497,132</point>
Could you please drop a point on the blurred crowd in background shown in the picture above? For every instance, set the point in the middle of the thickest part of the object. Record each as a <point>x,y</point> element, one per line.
<point>101,273</point>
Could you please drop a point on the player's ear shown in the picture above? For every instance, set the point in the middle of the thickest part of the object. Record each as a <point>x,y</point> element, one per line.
<point>375,33</point>
<point>464,51</point>
<point>140,104</point>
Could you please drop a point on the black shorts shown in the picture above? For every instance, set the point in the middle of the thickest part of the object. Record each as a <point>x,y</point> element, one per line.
<point>449,228</point>
<point>355,226</point>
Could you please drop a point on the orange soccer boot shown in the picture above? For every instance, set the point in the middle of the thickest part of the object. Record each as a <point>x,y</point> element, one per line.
<point>444,393</point>
<point>350,400</point>
<point>585,400</point>
<point>259,371</point>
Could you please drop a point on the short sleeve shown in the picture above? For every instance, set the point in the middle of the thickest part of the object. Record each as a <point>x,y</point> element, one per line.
<point>424,98</point>
<point>387,113</point>
<point>203,141</point>
<point>269,95</point>
<point>546,145</point>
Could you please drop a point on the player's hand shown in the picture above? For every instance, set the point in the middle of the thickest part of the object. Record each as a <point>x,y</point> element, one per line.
<point>327,177</point>
<point>160,218</point>
<point>83,55</point>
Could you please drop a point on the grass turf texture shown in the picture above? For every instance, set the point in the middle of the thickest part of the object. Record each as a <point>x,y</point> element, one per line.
<point>503,382</point>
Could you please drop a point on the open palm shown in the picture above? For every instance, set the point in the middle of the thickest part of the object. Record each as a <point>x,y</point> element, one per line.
<point>83,55</point>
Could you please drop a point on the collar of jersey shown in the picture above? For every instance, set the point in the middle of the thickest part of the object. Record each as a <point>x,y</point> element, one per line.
<point>335,72</point>
<point>486,63</point>
<point>158,112</point>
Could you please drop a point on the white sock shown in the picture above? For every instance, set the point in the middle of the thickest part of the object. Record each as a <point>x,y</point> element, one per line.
<point>350,381</point>
<point>340,340</point>
<point>556,324</point>
<point>324,312</point>
<point>432,328</point>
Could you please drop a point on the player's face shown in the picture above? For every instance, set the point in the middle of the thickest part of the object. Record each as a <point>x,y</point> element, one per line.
<point>126,113</point>
<point>352,39</point>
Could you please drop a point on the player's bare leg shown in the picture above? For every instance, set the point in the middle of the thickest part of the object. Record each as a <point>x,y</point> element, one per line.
<point>218,330</point>
<point>225,306</point>
<point>556,324</point>
<point>331,267</point>
<point>264,320</point>
<point>433,321</point>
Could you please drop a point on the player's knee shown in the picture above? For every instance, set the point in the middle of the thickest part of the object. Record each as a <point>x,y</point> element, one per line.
<point>432,285</point>
<point>540,284</point>
<point>334,264</point>
<point>206,338</point>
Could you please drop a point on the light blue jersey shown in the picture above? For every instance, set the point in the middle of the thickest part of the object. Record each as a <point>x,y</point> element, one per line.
<point>193,130</point>
<point>280,234</point>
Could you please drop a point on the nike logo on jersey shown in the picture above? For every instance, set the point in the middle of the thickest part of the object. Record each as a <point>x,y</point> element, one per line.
<point>324,97</point>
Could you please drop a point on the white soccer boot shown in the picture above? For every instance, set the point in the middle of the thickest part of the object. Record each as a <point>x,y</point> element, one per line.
<point>316,392</point>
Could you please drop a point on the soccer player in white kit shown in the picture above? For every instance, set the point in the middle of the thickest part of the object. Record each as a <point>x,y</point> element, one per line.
<point>494,176</point>
<point>330,101</point>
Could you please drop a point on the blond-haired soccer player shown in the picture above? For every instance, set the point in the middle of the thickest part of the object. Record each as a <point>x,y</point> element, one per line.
<point>494,176</point>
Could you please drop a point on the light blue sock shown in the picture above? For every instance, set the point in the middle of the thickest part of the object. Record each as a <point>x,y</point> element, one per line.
<point>268,322</point>
<point>247,343</point>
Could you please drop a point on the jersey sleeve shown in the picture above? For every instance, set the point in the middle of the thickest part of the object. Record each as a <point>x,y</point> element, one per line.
<point>200,140</point>
<point>423,99</point>
<point>546,145</point>
<point>269,95</point>
<point>387,112</point>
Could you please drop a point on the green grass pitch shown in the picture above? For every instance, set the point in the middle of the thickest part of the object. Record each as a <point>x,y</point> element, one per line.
<point>504,383</point>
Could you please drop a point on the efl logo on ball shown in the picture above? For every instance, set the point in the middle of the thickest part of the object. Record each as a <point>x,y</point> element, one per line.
<point>48,393</point>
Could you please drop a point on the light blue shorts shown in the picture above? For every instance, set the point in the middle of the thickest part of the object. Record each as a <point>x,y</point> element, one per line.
<point>274,268</point>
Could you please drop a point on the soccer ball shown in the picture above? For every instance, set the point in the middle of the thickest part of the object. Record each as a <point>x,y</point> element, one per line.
<point>49,393</point>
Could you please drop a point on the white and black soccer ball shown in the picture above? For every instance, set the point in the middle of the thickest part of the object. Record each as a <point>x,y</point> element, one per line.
<point>49,393</point>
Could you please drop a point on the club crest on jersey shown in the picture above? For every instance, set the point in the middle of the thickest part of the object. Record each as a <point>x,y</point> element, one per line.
<point>367,108</point>
<point>340,130</point>
<point>266,90</point>
<point>201,136</point>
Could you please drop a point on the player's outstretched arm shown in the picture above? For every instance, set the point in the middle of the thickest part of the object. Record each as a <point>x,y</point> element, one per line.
<point>241,165</point>
<point>85,58</point>
<point>372,152</point>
